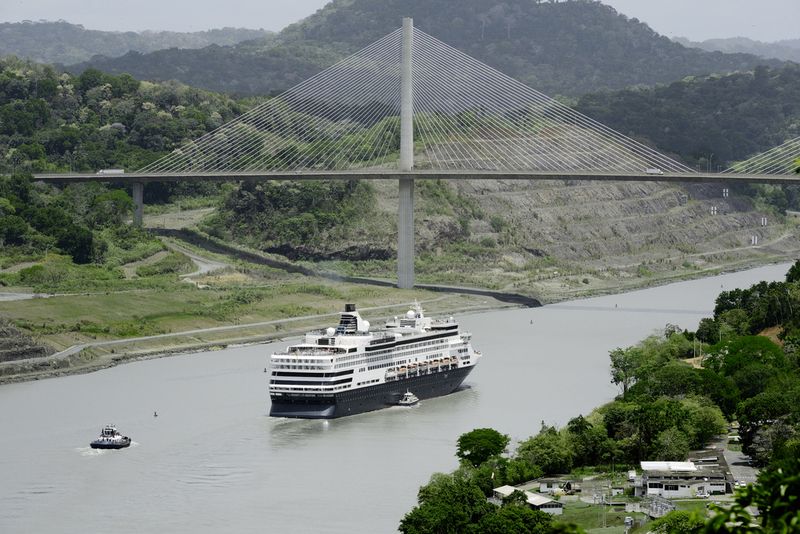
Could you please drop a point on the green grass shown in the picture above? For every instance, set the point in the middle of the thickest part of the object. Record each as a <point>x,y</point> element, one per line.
<point>172,263</point>
<point>117,255</point>
<point>693,505</point>
<point>590,516</point>
<point>176,307</point>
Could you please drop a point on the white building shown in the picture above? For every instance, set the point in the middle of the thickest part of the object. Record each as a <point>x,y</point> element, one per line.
<point>680,480</point>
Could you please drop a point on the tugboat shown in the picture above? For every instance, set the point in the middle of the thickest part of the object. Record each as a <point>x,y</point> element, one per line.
<point>408,399</point>
<point>110,438</point>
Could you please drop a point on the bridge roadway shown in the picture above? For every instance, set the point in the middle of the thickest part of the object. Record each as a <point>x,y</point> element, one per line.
<point>405,242</point>
<point>423,174</point>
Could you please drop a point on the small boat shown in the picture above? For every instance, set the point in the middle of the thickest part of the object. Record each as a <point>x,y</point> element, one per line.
<point>110,438</point>
<point>408,399</point>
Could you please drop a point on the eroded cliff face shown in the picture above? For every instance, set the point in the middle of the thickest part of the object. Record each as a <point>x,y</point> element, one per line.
<point>14,345</point>
<point>616,223</point>
<point>531,234</point>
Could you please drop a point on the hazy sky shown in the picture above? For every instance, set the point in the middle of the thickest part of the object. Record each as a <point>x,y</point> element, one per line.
<point>765,20</point>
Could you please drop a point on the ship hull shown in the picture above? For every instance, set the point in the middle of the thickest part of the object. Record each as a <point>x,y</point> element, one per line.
<point>110,445</point>
<point>368,398</point>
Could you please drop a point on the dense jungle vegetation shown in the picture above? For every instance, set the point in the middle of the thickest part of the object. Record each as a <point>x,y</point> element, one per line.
<point>750,373</point>
<point>709,121</point>
<point>52,121</point>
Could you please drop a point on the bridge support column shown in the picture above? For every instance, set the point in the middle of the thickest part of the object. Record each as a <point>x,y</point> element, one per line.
<point>405,235</point>
<point>138,201</point>
<point>405,216</point>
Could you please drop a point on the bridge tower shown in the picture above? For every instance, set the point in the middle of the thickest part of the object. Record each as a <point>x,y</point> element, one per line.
<point>405,219</point>
<point>138,201</point>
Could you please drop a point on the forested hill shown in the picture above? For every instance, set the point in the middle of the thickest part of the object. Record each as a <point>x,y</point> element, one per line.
<point>65,43</point>
<point>568,48</point>
<point>716,118</point>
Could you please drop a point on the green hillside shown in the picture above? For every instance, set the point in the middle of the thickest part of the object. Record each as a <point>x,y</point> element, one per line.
<point>568,48</point>
<point>709,121</point>
<point>51,121</point>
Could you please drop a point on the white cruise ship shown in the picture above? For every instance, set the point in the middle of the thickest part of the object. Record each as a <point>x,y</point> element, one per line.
<point>349,369</point>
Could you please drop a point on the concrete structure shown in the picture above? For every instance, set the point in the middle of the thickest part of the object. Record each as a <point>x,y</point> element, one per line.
<point>405,215</point>
<point>138,201</point>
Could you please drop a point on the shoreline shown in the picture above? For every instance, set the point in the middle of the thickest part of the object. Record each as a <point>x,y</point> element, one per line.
<point>79,359</point>
<point>89,357</point>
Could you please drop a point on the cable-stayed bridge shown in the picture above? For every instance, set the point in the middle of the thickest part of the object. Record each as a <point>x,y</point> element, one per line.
<point>411,107</point>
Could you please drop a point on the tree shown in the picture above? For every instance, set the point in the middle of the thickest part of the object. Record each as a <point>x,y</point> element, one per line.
<point>548,450</point>
<point>776,494</point>
<point>705,421</point>
<point>110,208</point>
<point>481,444</point>
<point>13,230</point>
<point>708,330</point>
<point>794,271</point>
<point>625,365</point>
<point>519,470</point>
<point>672,379</point>
<point>737,320</point>
<point>517,497</point>
<point>514,519</point>
<point>678,521</point>
<point>449,503</point>
<point>78,242</point>
<point>672,444</point>
<point>587,441</point>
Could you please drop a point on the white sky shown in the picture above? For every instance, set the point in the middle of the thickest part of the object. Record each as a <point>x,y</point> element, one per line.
<point>764,20</point>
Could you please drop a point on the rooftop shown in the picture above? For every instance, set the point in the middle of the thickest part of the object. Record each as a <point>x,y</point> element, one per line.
<point>678,467</point>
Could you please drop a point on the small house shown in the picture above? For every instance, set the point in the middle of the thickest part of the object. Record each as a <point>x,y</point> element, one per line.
<point>535,501</point>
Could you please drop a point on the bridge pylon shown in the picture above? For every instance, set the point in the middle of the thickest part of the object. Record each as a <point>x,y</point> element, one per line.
<point>138,203</point>
<point>405,214</point>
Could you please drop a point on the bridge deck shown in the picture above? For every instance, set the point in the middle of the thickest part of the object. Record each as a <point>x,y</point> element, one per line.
<point>382,174</point>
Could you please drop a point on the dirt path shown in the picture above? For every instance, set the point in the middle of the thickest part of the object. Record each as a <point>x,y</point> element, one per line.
<point>204,264</point>
<point>178,219</point>
<point>718,251</point>
<point>130,268</point>
<point>18,267</point>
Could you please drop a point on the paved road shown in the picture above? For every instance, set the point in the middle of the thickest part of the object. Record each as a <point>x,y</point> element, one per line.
<point>739,464</point>
<point>9,297</point>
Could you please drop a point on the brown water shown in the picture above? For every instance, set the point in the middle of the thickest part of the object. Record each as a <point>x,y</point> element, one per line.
<point>213,461</point>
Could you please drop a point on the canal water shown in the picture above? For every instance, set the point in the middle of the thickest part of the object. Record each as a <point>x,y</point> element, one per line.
<point>213,461</point>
